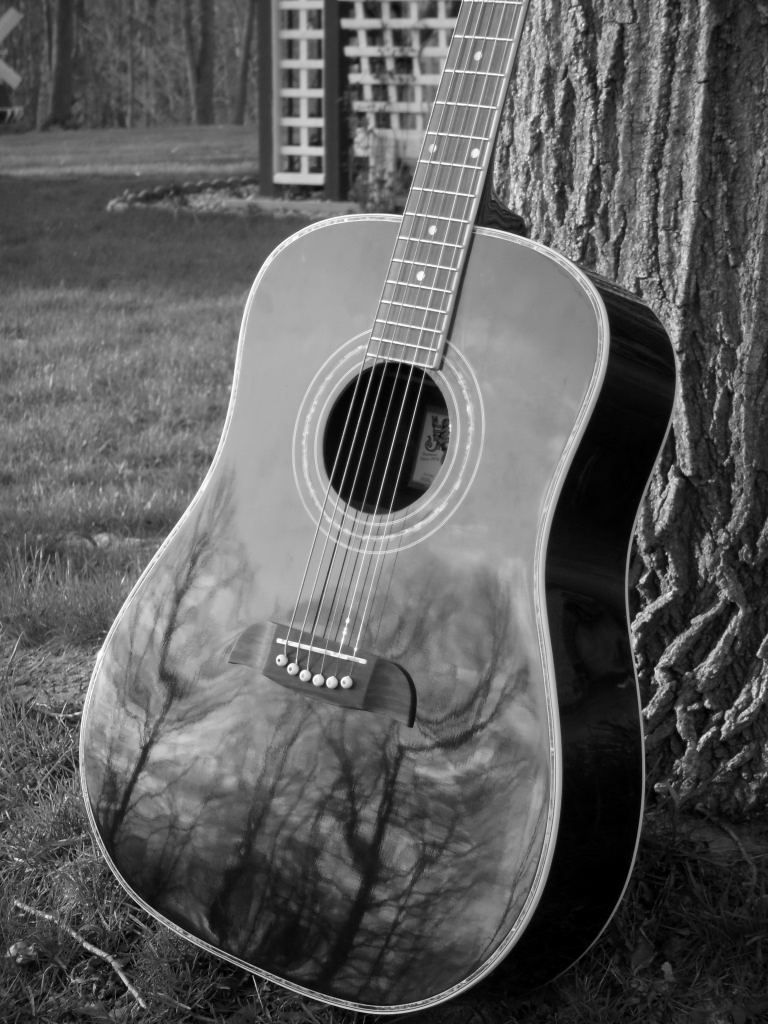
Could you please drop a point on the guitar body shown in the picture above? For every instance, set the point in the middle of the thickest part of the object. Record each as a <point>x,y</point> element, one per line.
<point>478,806</point>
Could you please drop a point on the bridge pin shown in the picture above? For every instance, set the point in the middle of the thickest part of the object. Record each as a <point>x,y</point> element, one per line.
<point>293,669</point>
<point>347,682</point>
<point>281,660</point>
<point>318,679</point>
<point>305,675</point>
<point>331,682</point>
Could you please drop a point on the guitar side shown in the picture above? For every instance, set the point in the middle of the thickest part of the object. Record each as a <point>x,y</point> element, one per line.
<point>351,854</point>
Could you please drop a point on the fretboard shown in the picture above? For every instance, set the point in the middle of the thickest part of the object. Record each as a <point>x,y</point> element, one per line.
<point>421,288</point>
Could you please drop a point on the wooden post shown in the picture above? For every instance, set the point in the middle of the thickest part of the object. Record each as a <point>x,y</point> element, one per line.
<point>333,105</point>
<point>301,75</point>
<point>266,112</point>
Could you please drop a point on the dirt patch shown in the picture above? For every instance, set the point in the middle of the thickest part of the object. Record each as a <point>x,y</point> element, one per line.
<point>233,195</point>
<point>52,678</point>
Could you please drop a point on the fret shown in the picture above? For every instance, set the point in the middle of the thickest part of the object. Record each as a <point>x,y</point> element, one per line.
<point>457,135</point>
<point>442,251</point>
<point>443,192</point>
<point>476,88</point>
<point>408,337</point>
<point>422,315</point>
<point>450,154</point>
<point>474,72</point>
<point>430,241</point>
<point>479,38</point>
<point>391,330</point>
<point>456,169</point>
<point>493,39</point>
<point>448,163</point>
<point>432,292</point>
<point>469,106</point>
<point>433,178</point>
<point>421,265</point>
<point>416,343</point>
<point>434,229</point>
<point>420,287</point>
<point>412,332</point>
<point>387,344</point>
<point>390,342</point>
<point>416,327</point>
<point>441,280</point>
<point>438,314</point>
<point>436,216</point>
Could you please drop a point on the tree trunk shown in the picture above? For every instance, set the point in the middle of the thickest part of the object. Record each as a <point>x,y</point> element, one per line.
<point>635,141</point>
<point>64,38</point>
<point>200,60</point>
<point>241,98</point>
<point>149,57</point>
<point>205,63</point>
<point>131,62</point>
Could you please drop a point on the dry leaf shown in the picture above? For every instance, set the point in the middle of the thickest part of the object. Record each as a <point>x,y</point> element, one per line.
<point>22,952</point>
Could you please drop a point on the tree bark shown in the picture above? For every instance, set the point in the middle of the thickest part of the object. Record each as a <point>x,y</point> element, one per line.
<point>61,90</point>
<point>635,141</point>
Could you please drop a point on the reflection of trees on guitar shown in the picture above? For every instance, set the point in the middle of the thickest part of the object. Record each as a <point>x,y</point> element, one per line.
<point>335,848</point>
<point>162,700</point>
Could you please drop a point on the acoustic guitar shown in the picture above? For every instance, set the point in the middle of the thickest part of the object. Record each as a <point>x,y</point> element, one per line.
<point>368,724</point>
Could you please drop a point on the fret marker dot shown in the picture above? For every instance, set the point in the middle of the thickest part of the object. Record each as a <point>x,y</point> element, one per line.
<point>477,55</point>
<point>420,275</point>
<point>432,148</point>
<point>432,229</point>
<point>475,153</point>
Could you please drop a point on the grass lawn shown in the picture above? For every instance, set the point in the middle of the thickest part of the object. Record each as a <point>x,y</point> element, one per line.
<point>117,342</point>
<point>184,150</point>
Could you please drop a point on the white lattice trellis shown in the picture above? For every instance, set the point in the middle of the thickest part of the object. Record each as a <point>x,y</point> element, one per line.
<point>297,63</point>
<point>395,52</point>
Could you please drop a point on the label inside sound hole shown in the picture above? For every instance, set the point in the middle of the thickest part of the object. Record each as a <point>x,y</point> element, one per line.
<point>432,447</point>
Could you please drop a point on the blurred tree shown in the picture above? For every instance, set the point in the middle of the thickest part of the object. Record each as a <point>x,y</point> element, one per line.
<point>241,96</point>
<point>103,63</point>
<point>200,47</point>
<point>63,52</point>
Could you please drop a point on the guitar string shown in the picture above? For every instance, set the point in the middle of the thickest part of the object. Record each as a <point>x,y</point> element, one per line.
<point>362,563</point>
<point>471,129</point>
<point>483,78</point>
<point>339,528</point>
<point>393,280</point>
<point>467,130</point>
<point>433,166</point>
<point>335,526</point>
<point>366,563</point>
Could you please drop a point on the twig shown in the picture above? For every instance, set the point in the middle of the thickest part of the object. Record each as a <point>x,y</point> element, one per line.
<point>739,846</point>
<point>88,946</point>
<point>62,715</point>
<point>258,993</point>
<point>9,663</point>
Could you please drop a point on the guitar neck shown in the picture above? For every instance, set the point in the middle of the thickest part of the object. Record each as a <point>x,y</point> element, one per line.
<point>420,291</point>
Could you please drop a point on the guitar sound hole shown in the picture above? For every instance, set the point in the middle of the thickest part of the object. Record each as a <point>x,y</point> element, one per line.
<point>386,437</point>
